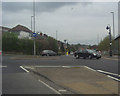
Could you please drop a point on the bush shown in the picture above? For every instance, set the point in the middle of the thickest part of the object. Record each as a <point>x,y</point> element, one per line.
<point>11,43</point>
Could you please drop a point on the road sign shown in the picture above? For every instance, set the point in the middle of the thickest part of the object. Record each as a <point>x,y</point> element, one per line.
<point>34,34</point>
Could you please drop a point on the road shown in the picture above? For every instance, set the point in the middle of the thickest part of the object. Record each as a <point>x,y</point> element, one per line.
<point>15,80</point>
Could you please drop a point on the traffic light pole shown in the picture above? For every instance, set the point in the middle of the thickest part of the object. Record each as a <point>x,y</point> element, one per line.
<point>110,52</point>
<point>109,28</point>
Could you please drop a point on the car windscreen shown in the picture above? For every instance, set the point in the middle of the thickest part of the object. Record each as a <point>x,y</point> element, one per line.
<point>79,50</point>
<point>90,51</point>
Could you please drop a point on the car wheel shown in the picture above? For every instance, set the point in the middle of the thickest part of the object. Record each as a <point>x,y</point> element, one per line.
<point>90,57</point>
<point>77,56</point>
<point>84,57</point>
<point>97,58</point>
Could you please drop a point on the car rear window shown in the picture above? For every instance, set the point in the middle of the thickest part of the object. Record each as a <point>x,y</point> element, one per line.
<point>46,51</point>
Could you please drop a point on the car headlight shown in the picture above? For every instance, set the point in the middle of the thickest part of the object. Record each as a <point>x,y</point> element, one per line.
<point>94,54</point>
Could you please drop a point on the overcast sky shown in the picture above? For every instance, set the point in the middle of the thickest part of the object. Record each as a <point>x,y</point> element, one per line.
<point>78,22</point>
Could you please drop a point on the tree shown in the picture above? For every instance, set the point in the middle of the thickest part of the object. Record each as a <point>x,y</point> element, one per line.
<point>104,44</point>
<point>52,44</point>
<point>41,45</point>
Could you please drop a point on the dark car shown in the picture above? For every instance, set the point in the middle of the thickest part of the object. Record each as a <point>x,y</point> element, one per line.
<point>87,53</point>
<point>48,53</point>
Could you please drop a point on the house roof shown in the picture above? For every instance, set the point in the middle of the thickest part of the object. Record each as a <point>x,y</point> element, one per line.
<point>4,28</point>
<point>20,28</point>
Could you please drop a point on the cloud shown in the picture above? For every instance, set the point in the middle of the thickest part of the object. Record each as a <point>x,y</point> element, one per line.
<point>39,6</point>
<point>78,22</point>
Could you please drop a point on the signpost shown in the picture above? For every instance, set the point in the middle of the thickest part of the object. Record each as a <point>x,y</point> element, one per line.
<point>34,34</point>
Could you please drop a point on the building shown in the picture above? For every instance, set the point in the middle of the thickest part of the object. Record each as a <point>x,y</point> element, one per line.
<point>22,32</point>
<point>4,29</point>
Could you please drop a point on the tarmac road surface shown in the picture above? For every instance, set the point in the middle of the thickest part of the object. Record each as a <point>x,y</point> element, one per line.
<point>15,80</point>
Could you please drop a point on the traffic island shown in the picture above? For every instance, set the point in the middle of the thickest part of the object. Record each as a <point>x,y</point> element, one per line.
<point>79,79</point>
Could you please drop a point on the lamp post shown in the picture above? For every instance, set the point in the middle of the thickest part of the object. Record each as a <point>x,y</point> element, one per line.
<point>31,22</point>
<point>109,28</point>
<point>34,26</point>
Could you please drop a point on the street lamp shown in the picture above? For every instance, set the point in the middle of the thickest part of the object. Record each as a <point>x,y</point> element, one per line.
<point>34,26</point>
<point>31,23</point>
<point>109,28</point>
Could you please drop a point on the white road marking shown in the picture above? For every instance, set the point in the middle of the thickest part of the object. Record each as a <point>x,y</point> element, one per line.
<point>29,67</point>
<point>24,69</point>
<point>47,66</point>
<point>2,66</point>
<point>51,66</point>
<point>113,77</point>
<point>105,72</point>
<point>67,66</point>
<point>89,68</point>
<point>62,90</point>
<point>108,73</point>
<point>49,87</point>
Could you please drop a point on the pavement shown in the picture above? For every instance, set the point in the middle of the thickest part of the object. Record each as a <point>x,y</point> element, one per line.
<point>114,57</point>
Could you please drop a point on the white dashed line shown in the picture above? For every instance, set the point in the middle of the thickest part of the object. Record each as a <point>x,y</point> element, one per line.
<point>62,90</point>
<point>24,69</point>
<point>49,87</point>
